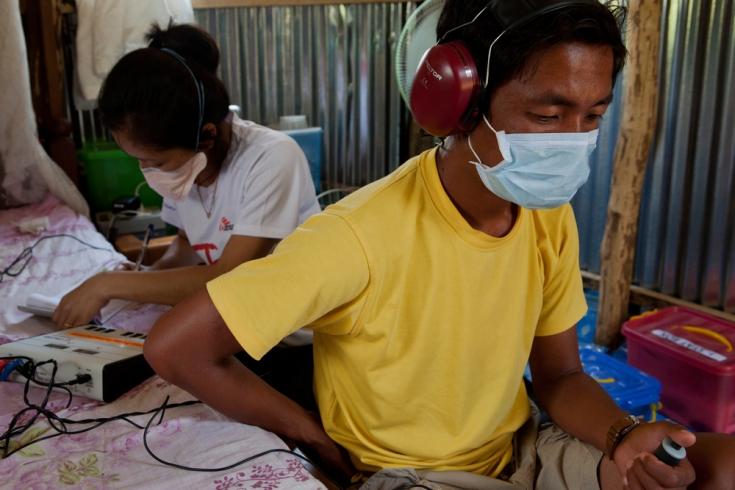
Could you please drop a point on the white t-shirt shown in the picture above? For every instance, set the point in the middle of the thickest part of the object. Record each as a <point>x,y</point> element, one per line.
<point>264,189</point>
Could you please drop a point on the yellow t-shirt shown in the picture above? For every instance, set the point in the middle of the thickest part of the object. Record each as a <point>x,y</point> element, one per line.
<point>422,324</point>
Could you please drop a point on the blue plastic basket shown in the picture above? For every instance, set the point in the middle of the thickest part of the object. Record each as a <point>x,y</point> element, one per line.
<point>587,326</point>
<point>633,390</point>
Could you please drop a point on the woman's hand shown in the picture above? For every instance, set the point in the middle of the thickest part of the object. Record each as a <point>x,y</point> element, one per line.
<point>128,266</point>
<point>82,304</point>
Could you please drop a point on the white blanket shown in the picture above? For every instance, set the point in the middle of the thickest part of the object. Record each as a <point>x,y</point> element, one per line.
<point>57,264</point>
<point>26,171</point>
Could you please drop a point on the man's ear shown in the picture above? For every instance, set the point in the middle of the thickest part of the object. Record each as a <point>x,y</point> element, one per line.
<point>208,137</point>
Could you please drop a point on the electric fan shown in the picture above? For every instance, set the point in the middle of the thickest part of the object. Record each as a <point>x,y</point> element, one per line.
<point>417,36</point>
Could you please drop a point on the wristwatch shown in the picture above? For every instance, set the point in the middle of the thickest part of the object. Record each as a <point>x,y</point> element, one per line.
<point>617,432</point>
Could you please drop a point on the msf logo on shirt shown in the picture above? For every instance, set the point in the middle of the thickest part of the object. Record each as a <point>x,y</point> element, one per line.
<point>207,248</point>
<point>225,225</point>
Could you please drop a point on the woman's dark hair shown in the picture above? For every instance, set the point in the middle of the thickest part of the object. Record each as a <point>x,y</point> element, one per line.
<point>595,24</point>
<point>150,93</point>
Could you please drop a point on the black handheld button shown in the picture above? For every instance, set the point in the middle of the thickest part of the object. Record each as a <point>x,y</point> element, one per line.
<point>670,452</point>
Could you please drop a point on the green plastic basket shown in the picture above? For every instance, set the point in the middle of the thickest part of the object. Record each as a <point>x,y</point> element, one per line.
<point>109,173</point>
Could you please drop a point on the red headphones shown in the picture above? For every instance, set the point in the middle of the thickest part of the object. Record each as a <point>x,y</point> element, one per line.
<point>447,89</point>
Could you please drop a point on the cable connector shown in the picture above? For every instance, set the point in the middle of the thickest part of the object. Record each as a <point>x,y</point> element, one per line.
<point>9,367</point>
<point>81,379</point>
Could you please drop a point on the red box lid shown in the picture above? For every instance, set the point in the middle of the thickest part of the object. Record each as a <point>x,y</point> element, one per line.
<point>693,337</point>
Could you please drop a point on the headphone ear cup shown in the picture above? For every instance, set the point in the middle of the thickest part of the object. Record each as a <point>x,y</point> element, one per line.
<point>446,90</point>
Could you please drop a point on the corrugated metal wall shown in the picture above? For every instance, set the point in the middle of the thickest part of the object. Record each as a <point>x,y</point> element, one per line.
<point>333,63</point>
<point>687,232</point>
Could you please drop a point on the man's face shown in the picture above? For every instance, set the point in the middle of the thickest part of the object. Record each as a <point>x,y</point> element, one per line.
<point>564,89</point>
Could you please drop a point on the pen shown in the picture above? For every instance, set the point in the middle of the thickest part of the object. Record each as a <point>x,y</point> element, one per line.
<point>144,247</point>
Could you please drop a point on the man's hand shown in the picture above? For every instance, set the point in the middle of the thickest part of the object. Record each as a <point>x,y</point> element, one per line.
<point>81,305</point>
<point>333,457</point>
<point>638,466</point>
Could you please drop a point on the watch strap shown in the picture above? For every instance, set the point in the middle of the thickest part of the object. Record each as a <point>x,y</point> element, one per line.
<point>617,432</point>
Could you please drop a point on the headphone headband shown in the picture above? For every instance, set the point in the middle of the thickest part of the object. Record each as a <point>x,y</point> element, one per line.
<point>199,88</point>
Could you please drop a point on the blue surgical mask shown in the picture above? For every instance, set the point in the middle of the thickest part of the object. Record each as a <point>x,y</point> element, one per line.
<point>539,170</point>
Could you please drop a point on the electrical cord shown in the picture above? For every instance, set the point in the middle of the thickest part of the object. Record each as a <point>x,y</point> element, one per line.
<point>111,233</point>
<point>339,191</point>
<point>13,428</point>
<point>111,229</point>
<point>25,256</point>
<point>61,424</point>
<point>162,409</point>
<point>28,370</point>
<point>136,193</point>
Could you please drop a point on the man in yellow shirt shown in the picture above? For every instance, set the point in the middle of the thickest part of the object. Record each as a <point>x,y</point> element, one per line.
<point>430,290</point>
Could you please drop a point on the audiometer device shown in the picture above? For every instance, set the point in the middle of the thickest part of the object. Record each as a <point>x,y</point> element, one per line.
<point>113,358</point>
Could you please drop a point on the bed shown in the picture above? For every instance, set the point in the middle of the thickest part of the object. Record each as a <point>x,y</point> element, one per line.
<point>113,455</point>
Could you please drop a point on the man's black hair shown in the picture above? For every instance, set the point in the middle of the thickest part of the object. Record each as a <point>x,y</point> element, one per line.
<point>151,95</point>
<point>590,24</point>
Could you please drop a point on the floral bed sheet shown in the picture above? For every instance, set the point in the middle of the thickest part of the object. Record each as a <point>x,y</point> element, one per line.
<point>113,455</point>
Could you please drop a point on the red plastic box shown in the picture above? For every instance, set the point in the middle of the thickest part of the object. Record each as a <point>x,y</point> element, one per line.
<point>693,356</point>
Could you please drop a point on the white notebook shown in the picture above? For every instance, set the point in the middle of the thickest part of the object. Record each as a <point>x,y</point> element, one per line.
<point>42,305</point>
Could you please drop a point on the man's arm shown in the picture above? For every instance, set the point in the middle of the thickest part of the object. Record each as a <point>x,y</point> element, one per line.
<point>161,286</point>
<point>192,347</point>
<point>576,402</point>
<point>580,407</point>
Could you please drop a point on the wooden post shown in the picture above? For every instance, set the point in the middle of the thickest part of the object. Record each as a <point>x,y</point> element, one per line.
<point>42,27</point>
<point>639,117</point>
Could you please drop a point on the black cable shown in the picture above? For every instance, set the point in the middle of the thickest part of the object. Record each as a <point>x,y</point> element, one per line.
<point>80,379</point>
<point>28,370</point>
<point>30,374</point>
<point>15,429</point>
<point>12,429</point>
<point>25,256</point>
<point>162,409</point>
<point>53,419</point>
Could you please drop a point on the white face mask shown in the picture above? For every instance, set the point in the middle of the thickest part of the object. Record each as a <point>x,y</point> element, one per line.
<point>539,170</point>
<point>176,184</point>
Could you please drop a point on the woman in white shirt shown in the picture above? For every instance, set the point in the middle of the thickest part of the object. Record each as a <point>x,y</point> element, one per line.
<point>232,187</point>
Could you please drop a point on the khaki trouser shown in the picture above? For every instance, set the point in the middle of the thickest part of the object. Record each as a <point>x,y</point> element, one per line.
<point>545,458</point>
